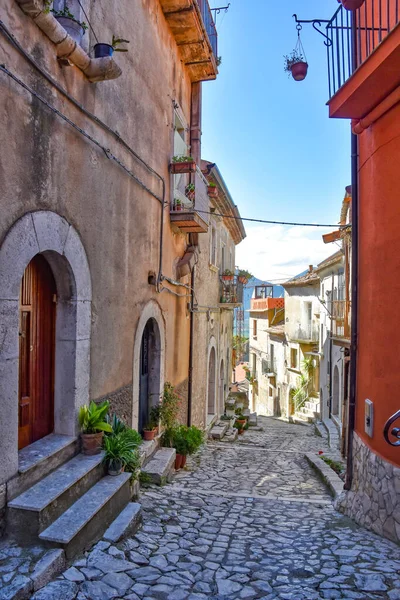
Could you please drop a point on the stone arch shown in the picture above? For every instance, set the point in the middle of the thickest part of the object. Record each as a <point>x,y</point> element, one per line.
<point>211,377</point>
<point>151,311</point>
<point>335,391</point>
<point>47,233</point>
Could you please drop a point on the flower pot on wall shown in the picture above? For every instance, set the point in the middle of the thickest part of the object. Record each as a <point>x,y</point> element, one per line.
<point>299,70</point>
<point>183,167</point>
<point>212,191</point>
<point>149,435</point>
<point>227,277</point>
<point>243,280</point>
<point>102,50</point>
<point>92,443</point>
<point>72,27</point>
<point>352,4</point>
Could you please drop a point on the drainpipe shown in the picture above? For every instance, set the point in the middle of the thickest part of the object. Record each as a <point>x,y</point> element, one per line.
<point>354,309</point>
<point>330,353</point>
<point>190,377</point>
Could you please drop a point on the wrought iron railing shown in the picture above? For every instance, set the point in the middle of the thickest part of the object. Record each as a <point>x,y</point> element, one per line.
<point>352,36</point>
<point>231,291</point>
<point>190,193</point>
<point>209,25</point>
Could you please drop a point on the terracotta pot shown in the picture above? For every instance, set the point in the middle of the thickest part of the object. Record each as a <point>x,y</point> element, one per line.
<point>92,443</point>
<point>149,435</point>
<point>299,70</point>
<point>352,4</point>
<point>178,461</point>
<point>178,207</point>
<point>240,431</point>
<point>241,421</point>
<point>183,167</point>
<point>243,280</point>
<point>212,191</point>
<point>184,460</point>
<point>227,277</point>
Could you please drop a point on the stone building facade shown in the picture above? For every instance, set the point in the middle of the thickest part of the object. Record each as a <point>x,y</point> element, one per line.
<point>88,213</point>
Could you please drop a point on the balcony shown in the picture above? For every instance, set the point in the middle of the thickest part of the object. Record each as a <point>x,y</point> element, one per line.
<point>194,30</point>
<point>269,368</point>
<point>341,319</point>
<point>363,57</point>
<point>262,304</point>
<point>231,293</point>
<point>190,207</point>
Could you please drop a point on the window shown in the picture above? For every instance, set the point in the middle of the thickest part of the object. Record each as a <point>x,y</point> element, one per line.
<point>254,365</point>
<point>293,358</point>
<point>272,355</point>
<point>265,368</point>
<point>309,311</point>
<point>255,328</point>
<point>213,246</point>
<point>263,291</point>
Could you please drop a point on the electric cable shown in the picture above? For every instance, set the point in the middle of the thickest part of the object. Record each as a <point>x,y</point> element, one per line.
<point>271,222</point>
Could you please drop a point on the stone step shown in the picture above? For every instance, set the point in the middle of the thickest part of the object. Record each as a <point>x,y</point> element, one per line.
<point>305,418</point>
<point>127,523</point>
<point>147,449</point>
<point>219,430</point>
<point>39,459</point>
<point>85,521</point>
<point>253,420</point>
<point>34,510</point>
<point>160,467</point>
<point>313,406</point>
<point>231,435</point>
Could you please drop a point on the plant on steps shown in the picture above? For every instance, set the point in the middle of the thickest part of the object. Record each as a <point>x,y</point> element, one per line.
<point>169,407</point>
<point>186,440</point>
<point>120,451</point>
<point>301,393</point>
<point>92,421</point>
<point>118,426</point>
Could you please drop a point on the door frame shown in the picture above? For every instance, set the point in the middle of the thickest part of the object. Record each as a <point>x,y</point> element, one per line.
<point>50,234</point>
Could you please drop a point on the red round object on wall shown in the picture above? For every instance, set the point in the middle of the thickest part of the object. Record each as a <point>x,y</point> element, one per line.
<point>299,70</point>
<point>352,4</point>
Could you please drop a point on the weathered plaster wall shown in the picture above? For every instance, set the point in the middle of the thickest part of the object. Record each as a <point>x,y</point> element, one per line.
<point>50,166</point>
<point>297,324</point>
<point>374,498</point>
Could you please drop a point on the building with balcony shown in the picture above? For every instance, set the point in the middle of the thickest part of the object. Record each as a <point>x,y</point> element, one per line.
<point>214,299</point>
<point>95,269</point>
<point>365,88</point>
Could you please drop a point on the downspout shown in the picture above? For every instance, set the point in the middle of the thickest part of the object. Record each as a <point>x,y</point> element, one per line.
<point>330,354</point>
<point>354,285</point>
<point>190,382</point>
<point>354,310</point>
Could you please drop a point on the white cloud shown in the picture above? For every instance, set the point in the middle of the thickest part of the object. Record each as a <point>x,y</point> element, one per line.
<point>276,252</point>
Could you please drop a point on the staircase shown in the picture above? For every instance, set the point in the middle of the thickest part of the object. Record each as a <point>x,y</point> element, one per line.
<point>157,463</point>
<point>309,413</point>
<point>63,498</point>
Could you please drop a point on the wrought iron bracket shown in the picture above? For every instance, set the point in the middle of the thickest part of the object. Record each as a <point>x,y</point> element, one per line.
<point>315,23</point>
<point>395,432</point>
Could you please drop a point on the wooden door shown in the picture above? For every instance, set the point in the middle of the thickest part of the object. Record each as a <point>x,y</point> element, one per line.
<point>144,377</point>
<point>36,352</point>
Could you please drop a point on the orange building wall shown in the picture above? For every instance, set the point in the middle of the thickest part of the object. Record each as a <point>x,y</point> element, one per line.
<point>378,369</point>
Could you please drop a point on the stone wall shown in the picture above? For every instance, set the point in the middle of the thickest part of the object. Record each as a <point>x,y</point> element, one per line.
<point>374,498</point>
<point>120,403</point>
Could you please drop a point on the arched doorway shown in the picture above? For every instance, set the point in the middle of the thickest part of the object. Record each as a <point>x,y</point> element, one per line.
<point>211,381</point>
<point>37,311</point>
<point>335,394</point>
<point>150,370</point>
<point>221,389</point>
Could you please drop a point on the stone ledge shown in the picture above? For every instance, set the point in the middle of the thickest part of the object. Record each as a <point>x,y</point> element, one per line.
<point>328,475</point>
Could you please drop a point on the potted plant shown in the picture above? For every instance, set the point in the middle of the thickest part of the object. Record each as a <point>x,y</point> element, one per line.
<point>212,190</point>
<point>177,204</point>
<point>155,416</point>
<point>149,431</point>
<point>169,407</point>
<point>119,452</point>
<point>92,421</point>
<point>102,50</point>
<point>352,4</point>
<point>190,192</point>
<point>244,276</point>
<point>183,164</point>
<point>227,275</point>
<point>239,427</point>
<point>186,440</point>
<point>76,29</point>
<point>296,65</point>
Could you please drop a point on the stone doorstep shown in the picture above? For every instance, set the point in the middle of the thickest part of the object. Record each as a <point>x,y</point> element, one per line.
<point>39,459</point>
<point>328,475</point>
<point>160,467</point>
<point>219,430</point>
<point>127,523</point>
<point>147,450</point>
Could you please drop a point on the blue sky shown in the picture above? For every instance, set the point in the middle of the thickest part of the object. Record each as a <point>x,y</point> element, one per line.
<point>280,155</point>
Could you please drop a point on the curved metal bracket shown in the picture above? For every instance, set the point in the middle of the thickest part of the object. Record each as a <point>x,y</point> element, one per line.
<point>316,23</point>
<point>395,431</point>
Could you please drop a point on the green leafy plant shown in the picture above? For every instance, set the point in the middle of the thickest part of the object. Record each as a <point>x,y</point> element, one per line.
<point>228,273</point>
<point>245,274</point>
<point>219,60</point>
<point>155,412</point>
<point>292,59</point>
<point>180,159</point>
<point>65,12</point>
<point>169,407</point>
<point>212,184</point>
<point>186,440</point>
<point>301,393</point>
<point>120,451</point>
<point>118,426</point>
<point>92,418</point>
<point>150,426</point>
<point>144,478</point>
<point>337,466</point>
<point>116,42</point>
<point>190,187</point>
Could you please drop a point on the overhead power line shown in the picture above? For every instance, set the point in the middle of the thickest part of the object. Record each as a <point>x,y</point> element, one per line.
<point>207,212</point>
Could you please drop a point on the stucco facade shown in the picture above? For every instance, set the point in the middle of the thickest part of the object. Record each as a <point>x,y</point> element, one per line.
<point>98,209</point>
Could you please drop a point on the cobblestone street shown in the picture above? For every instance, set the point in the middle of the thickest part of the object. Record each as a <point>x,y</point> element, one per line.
<point>246,520</point>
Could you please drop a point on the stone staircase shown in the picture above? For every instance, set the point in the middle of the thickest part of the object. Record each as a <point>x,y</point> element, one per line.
<point>309,413</point>
<point>62,498</point>
<point>159,465</point>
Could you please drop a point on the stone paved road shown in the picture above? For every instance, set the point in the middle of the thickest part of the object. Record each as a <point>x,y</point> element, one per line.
<point>210,535</point>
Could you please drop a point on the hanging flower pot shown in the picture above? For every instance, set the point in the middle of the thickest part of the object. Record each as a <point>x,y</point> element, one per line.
<point>73,27</point>
<point>102,50</point>
<point>299,70</point>
<point>352,4</point>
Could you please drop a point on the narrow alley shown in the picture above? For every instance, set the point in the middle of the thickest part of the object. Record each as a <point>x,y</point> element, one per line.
<point>248,520</point>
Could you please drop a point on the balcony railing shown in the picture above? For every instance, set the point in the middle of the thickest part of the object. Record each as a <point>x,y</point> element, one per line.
<point>209,25</point>
<point>269,366</point>
<point>267,303</point>
<point>341,318</point>
<point>353,36</point>
<point>231,291</point>
<point>190,205</point>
